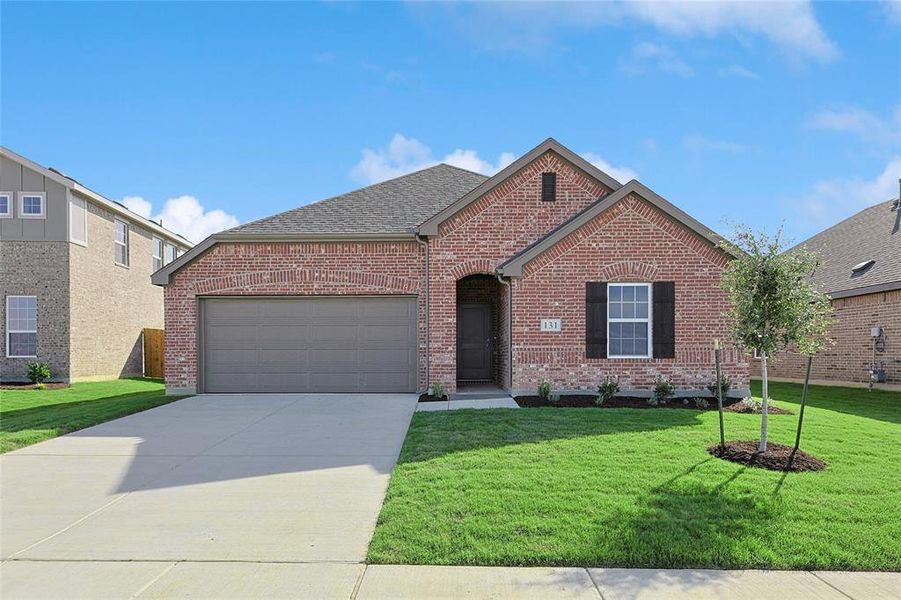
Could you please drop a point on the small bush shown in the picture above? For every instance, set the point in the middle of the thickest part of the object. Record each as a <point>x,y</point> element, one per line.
<point>544,390</point>
<point>663,390</point>
<point>653,401</point>
<point>725,385</point>
<point>38,372</point>
<point>554,398</point>
<point>437,389</point>
<point>752,405</point>
<point>701,403</point>
<point>607,390</point>
<point>40,386</point>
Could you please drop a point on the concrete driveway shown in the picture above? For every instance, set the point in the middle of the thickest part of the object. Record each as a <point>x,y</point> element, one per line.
<point>256,480</point>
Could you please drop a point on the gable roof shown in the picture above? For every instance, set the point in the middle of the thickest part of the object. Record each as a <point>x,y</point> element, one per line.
<point>430,227</point>
<point>514,266</point>
<point>111,205</point>
<point>872,234</point>
<point>395,206</point>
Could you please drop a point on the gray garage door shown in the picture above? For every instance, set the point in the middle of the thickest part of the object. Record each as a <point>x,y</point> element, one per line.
<point>361,344</point>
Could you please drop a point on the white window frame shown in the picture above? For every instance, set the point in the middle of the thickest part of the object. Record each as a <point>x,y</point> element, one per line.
<point>755,353</point>
<point>9,330</point>
<point>42,196</point>
<point>153,256</point>
<point>72,201</point>
<point>10,198</point>
<point>126,244</point>
<point>174,248</point>
<point>649,320</point>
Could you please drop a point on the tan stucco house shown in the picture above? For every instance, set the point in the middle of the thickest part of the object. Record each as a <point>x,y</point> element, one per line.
<point>75,268</point>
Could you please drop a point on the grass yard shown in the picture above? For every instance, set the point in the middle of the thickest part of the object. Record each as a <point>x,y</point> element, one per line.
<point>31,416</point>
<point>637,488</point>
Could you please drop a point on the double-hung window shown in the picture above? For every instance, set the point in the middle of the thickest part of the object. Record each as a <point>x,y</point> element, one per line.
<point>21,326</point>
<point>171,253</point>
<point>121,243</point>
<point>32,205</point>
<point>157,253</point>
<point>6,205</point>
<point>629,320</point>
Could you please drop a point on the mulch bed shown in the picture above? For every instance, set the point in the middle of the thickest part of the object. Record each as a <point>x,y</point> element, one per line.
<point>777,457</point>
<point>431,398</point>
<point>13,385</point>
<point>739,407</point>
<point>588,401</point>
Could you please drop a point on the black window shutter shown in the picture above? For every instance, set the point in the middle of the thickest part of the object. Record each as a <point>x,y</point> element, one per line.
<point>664,319</point>
<point>548,187</point>
<point>596,319</point>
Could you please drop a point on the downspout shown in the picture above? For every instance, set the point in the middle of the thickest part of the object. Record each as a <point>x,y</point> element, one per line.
<point>425,245</point>
<point>509,335</point>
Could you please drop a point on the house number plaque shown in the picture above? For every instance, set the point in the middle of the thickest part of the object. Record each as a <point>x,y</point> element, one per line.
<point>550,325</point>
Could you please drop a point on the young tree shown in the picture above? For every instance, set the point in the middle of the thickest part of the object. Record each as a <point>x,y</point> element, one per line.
<point>773,303</point>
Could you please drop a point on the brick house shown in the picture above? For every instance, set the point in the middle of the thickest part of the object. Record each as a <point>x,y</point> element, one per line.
<point>74,276</point>
<point>550,270</point>
<point>860,270</point>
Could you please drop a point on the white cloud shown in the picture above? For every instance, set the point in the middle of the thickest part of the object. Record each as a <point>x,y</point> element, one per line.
<point>662,57</point>
<point>621,174</point>
<point>699,142</point>
<point>184,215</point>
<point>738,71</point>
<point>831,200</point>
<point>859,122</point>
<point>791,25</point>
<point>404,155</point>
<point>138,205</point>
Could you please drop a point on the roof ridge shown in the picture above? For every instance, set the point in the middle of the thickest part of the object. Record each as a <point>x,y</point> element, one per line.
<point>444,164</point>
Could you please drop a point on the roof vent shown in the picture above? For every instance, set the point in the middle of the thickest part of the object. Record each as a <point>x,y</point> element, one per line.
<point>861,268</point>
<point>548,187</point>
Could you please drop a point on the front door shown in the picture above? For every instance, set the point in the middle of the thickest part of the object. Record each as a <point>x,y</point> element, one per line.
<point>474,342</point>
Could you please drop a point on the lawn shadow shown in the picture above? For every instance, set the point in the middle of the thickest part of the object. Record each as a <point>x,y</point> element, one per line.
<point>881,405</point>
<point>687,522</point>
<point>435,434</point>
<point>64,416</point>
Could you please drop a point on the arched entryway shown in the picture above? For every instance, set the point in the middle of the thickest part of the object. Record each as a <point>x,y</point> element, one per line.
<point>481,345</point>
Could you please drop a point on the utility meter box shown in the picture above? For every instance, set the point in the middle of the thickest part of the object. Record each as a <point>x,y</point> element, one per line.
<point>875,331</point>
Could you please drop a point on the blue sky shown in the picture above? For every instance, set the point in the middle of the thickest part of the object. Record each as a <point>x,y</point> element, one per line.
<point>209,114</point>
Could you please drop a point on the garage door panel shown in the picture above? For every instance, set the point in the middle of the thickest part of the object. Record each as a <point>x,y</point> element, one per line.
<point>312,344</point>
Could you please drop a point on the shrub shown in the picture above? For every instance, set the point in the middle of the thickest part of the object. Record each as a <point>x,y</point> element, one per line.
<point>40,386</point>
<point>751,405</point>
<point>663,390</point>
<point>554,398</point>
<point>725,384</point>
<point>544,390</point>
<point>653,401</point>
<point>701,403</point>
<point>608,389</point>
<point>437,389</point>
<point>38,372</point>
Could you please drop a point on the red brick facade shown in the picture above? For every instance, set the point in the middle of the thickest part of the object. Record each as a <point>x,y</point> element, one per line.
<point>632,241</point>
<point>849,358</point>
<point>255,269</point>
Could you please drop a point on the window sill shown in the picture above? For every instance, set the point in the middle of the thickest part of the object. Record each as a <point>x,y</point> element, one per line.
<point>8,356</point>
<point>118,264</point>
<point>32,216</point>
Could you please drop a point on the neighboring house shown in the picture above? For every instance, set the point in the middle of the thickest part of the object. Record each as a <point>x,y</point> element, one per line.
<point>860,270</point>
<point>74,276</point>
<point>550,270</point>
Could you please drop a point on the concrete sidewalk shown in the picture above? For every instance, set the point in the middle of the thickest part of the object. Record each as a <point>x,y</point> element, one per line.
<point>94,579</point>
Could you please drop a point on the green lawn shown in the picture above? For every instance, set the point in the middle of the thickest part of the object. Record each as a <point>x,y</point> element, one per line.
<point>31,416</point>
<point>636,488</point>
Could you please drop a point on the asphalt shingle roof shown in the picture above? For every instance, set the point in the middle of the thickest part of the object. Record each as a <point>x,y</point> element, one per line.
<point>872,234</point>
<point>394,206</point>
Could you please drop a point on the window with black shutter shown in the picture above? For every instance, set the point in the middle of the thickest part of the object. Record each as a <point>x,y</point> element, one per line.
<point>596,319</point>
<point>548,187</point>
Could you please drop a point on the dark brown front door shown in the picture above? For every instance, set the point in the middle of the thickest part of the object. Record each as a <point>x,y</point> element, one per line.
<point>474,342</point>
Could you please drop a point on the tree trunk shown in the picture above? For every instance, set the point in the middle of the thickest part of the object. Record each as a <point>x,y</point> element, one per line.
<point>803,403</point>
<point>719,398</point>
<point>764,406</point>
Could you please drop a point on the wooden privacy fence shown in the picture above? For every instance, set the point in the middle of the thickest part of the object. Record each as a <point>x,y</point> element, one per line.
<point>154,340</point>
